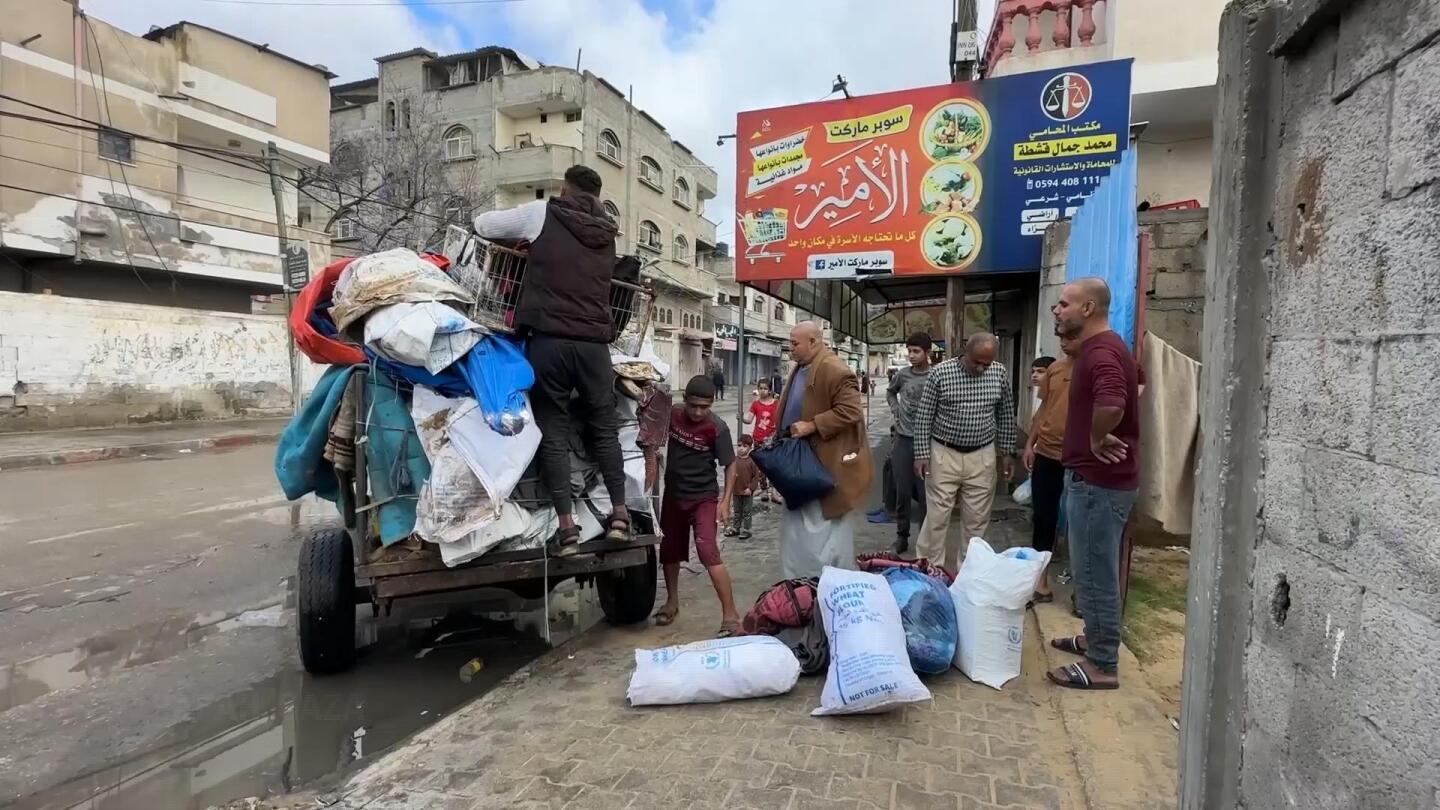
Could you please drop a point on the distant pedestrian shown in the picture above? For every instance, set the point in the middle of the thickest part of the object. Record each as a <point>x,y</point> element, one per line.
<point>903,394</point>
<point>747,482</point>
<point>718,378</point>
<point>965,415</point>
<point>777,383</point>
<point>1102,476</point>
<point>865,383</point>
<point>1043,451</point>
<point>693,503</point>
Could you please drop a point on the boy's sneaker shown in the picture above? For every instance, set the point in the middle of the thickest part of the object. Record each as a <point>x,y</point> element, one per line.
<point>745,534</point>
<point>731,533</point>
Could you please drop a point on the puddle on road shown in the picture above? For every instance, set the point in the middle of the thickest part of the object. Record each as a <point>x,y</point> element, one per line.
<point>292,729</point>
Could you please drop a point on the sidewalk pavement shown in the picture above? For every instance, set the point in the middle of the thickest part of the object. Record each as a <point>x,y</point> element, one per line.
<point>48,448</point>
<point>560,733</point>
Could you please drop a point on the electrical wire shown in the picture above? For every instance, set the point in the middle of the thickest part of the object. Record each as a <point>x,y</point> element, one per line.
<point>130,192</point>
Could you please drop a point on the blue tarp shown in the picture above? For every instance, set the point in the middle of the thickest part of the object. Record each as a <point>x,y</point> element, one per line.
<point>393,453</point>
<point>1104,242</point>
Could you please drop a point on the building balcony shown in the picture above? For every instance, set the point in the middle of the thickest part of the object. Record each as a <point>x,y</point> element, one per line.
<point>545,90</point>
<point>1055,33</point>
<point>1174,45</point>
<point>534,165</point>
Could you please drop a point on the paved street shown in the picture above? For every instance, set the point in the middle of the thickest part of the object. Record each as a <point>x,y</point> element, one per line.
<point>147,647</point>
<point>560,734</point>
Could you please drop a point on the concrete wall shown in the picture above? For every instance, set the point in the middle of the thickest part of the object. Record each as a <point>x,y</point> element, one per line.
<point>70,362</point>
<point>1315,578</point>
<point>1175,165</point>
<point>1175,295</point>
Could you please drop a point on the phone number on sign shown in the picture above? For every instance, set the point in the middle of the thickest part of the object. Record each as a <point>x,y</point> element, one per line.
<point>1064,182</point>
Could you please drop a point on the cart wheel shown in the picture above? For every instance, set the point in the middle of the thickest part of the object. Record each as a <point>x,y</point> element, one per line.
<point>327,602</point>
<point>628,594</point>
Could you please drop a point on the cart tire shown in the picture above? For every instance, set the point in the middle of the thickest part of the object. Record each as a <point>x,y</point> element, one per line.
<point>327,602</point>
<point>628,594</point>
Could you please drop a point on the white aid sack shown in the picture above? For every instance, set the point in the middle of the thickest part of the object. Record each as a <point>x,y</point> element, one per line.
<point>712,671</point>
<point>430,335</point>
<point>869,668</point>
<point>990,593</point>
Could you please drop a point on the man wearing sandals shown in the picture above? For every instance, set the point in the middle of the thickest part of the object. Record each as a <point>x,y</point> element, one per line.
<point>699,441</point>
<point>564,311</point>
<point>1102,475</point>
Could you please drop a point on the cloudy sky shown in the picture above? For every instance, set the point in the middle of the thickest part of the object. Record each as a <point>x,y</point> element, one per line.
<point>693,63</point>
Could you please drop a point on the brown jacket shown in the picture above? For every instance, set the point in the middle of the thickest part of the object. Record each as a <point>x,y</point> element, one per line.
<point>833,402</point>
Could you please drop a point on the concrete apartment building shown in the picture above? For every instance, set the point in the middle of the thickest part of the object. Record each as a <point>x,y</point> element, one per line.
<point>136,218</point>
<point>507,130</point>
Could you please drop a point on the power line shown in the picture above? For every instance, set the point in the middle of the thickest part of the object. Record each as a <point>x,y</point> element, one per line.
<point>130,191</point>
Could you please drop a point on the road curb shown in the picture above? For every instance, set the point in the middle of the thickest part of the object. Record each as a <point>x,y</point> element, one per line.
<point>83,455</point>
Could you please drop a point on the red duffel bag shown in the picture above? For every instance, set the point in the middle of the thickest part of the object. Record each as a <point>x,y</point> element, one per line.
<point>318,347</point>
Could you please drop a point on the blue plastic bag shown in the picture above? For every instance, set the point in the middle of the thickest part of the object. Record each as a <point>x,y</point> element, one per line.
<point>499,375</point>
<point>795,470</point>
<point>927,612</point>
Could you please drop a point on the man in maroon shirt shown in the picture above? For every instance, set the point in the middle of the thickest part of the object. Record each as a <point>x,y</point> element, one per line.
<point>1102,475</point>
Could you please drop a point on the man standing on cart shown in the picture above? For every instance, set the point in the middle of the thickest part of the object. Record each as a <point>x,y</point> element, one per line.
<point>564,311</point>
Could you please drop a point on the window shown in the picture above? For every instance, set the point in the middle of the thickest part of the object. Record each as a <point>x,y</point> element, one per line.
<point>757,304</point>
<point>572,116</point>
<point>405,112</point>
<point>720,299</point>
<point>613,211</point>
<point>458,143</point>
<point>389,116</point>
<point>346,228</point>
<point>681,250</point>
<point>649,235</point>
<point>462,72</point>
<point>303,216</point>
<point>116,145</point>
<point>682,191</point>
<point>779,311</point>
<point>610,146</point>
<point>650,173</point>
<point>539,193</point>
<point>544,118</point>
<point>457,211</point>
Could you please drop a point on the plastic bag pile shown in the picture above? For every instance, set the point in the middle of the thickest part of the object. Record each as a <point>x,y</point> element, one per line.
<point>464,390</point>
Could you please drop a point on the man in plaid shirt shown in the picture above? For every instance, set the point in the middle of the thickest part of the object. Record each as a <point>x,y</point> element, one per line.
<point>965,414</point>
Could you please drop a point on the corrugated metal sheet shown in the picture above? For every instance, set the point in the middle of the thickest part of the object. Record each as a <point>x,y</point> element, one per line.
<point>1103,239</point>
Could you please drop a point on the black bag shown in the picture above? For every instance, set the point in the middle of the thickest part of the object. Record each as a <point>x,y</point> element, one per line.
<point>796,472</point>
<point>809,644</point>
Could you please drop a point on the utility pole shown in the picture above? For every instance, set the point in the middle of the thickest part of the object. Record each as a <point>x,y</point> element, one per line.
<point>964,42</point>
<point>964,62</point>
<point>273,163</point>
<point>741,378</point>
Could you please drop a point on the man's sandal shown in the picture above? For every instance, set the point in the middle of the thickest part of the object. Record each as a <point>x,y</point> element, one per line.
<point>1073,676</point>
<point>666,616</point>
<point>617,529</point>
<point>564,541</point>
<point>1070,644</point>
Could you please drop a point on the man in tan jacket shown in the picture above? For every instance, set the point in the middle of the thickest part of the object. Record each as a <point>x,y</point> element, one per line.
<point>822,402</point>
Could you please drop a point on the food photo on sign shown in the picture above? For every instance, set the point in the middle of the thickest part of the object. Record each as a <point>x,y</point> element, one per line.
<point>956,178</point>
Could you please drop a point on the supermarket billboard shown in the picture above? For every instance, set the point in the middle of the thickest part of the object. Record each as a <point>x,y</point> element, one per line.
<point>956,178</point>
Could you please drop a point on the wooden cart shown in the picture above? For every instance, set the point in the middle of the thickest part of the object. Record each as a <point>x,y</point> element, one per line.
<point>334,577</point>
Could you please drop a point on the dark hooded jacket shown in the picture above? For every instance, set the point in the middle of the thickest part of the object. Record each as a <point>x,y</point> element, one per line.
<point>567,283</point>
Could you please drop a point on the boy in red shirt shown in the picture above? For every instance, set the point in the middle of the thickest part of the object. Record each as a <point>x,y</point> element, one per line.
<point>699,441</point>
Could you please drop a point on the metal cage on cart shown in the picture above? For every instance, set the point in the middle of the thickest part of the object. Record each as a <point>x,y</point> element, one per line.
<point>495,275</point>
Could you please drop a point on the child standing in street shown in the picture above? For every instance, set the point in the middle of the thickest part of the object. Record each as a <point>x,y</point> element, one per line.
<point>693,502</point>
<point>747,480</point>
<point>764,414</point>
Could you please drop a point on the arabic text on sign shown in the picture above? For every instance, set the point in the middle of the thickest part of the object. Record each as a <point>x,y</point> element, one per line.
<point>1066,147</point>
<point>869,126</point>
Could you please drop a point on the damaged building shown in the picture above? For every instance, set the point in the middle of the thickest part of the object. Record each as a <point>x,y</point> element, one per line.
<point>138,221</point>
